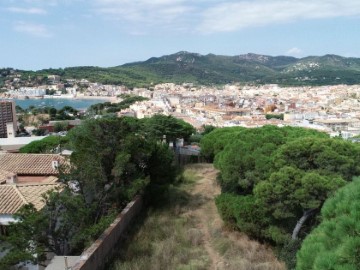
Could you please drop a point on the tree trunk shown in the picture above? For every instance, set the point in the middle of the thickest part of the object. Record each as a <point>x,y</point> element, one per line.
<point>301,221</point>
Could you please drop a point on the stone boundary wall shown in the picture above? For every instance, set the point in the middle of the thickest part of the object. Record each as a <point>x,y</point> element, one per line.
<point>97,255</point>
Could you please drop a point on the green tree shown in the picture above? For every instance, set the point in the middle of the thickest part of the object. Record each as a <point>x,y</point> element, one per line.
<point>335,243</point>
<point>291,196</point>
<point>53,229</point>
<point>207,129</point>
<point>113,160</point>
<point>246,158</point>
<point>38,132</point>
<point>215,141</point>
<point>61,126</point>
<point>274,116</point>
<point>247,214</point>
<point>171,127</point>
<point>46,145</point>
<point>327,156</point>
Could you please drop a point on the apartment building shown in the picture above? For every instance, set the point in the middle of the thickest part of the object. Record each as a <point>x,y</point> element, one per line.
<point>8,123</point>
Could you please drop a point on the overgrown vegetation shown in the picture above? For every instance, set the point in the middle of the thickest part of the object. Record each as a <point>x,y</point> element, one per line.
<point>184,231</point>
<point>274,116</point>
<point>35,116</point>
<point>163,238</point>
<point>108,107</point>
<point>65,113</point>
<point>47,145</point>
<point>275,180</point>
<point>114,159</point>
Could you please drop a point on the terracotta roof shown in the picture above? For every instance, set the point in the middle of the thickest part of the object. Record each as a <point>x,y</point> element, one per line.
<point>4,175</point>
<point>30,164</point>
<point>12,197</point>
<point>32,193</point>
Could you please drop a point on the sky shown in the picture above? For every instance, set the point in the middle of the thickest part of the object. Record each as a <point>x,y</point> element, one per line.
<point>37,34</point>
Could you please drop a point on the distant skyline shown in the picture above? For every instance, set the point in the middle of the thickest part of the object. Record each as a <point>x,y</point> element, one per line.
<point>37,34</point>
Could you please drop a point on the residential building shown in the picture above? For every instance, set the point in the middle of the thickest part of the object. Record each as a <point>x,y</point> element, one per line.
<point>23,179</point>
<point>8,123</point>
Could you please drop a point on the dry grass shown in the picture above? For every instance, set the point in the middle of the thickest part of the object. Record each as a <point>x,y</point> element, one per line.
<point>167,239</point>
<point>189,234</point>
<point>35,120</point>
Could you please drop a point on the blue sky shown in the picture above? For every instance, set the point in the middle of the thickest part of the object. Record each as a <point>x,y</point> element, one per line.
<point>36,34</point>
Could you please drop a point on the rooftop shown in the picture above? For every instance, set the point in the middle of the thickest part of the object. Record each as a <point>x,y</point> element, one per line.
<point>4,175</point>
<point>10,199</point>
<point>13,197</point>
<point>30,164</point>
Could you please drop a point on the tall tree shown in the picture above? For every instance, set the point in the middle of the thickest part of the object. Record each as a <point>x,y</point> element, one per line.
<point>335,243</point>
<point>168,126</point>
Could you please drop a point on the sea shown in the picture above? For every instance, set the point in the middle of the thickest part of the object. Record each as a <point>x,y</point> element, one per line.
<point>58,103</point>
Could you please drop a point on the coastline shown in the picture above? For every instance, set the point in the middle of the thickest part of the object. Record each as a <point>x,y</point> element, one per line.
<point>79,103</point>
<point>112,99</point>
<point>96,97</point>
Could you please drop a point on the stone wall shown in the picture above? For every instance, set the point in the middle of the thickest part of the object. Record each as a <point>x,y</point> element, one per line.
<point>98,254</point>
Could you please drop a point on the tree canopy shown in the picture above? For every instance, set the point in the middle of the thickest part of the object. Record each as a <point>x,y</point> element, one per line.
<point>113,160</point>
<point>275,180</point>
<point>161,125</point>
<point>335,243</point>
<point>247,154</point>
<point>47,145</point>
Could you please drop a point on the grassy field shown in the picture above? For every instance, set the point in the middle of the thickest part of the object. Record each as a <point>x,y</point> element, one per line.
<point>187,233</point>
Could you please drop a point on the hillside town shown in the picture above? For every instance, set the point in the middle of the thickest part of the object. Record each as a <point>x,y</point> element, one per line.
<point>178,135</point>
<point>332,109</point>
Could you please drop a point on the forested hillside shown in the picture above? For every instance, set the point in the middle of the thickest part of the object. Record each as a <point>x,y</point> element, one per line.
<point>213,69</point>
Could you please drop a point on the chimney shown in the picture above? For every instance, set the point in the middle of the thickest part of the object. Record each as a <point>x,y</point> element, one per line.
<point>11,179</point>
<point>55,164</point>
<point>10,128</point>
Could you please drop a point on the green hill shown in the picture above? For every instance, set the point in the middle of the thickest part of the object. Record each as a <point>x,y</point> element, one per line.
<point>218,69</point>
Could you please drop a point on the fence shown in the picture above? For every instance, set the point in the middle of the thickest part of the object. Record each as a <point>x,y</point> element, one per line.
<point>98,254</point>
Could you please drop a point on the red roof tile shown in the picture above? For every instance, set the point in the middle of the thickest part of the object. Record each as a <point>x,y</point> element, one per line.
<point>12,197</point>
<point>30,164</point>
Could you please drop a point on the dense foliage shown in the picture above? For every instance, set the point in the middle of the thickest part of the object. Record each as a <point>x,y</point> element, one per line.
<point>274,116</point>
<point>113,160</point>
<point>275,180</point>
<point>335,243</point>
<point>108,107</point>
<point>215,141</point>
<point>50,144</point>
<point>65,113</point>
<point>168,127</point>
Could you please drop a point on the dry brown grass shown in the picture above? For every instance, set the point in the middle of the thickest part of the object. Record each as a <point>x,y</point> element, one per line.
<point>189,234</point>
<point>35,120</point>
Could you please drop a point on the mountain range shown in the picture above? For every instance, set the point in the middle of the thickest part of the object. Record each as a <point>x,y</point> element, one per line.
<point>214,69</point>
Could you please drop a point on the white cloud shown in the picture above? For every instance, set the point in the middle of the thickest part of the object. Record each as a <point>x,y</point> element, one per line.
<point>37,30</point>
<point>144,13</point>
<point>37,11</point>
<point>44,2</point>
<point>294,51</point>
<point>231,16</point>
<point>211,16</point>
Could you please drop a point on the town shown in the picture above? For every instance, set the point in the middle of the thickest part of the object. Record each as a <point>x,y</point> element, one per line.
<point>333,109</point>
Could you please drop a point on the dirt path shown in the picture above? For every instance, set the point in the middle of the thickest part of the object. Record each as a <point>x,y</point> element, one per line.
<point>187,233</point>
<point>207,213</point>
<point>226,250</point>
